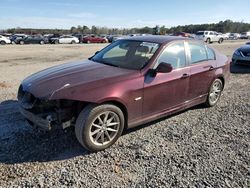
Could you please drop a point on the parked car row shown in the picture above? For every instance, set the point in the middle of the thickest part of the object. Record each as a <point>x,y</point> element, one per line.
<point>51,39</point>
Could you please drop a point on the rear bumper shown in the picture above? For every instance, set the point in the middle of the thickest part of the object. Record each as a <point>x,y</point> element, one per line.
<point>36,120</point>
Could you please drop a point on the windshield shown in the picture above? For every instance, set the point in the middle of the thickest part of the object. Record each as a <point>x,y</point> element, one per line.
<point>127,54</point>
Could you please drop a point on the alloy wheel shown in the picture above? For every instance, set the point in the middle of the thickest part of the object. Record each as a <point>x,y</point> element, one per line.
<point>215,92</point>
<point>104,128</point>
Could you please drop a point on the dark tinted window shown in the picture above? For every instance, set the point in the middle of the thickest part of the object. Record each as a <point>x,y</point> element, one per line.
<point>198,53</point>
<point>210,54</point>
<point>200,33</point>
<point>174,55</point>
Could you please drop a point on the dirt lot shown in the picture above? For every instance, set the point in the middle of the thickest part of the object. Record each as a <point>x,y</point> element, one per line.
<point>200,147</point>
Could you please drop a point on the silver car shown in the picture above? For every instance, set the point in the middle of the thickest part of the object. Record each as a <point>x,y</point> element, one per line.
<point>242,55</point>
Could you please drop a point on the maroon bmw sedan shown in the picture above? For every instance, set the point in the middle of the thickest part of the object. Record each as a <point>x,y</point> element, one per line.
<point>130,82</point>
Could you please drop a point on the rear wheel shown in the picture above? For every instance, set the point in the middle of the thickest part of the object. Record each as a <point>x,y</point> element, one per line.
<point>98,127</point>
<point>42,42</point>
<point>73,42</point>
<point>56,42</point>
<point>21,42</point>
<point>214,93</point>
<point>2,42</point>
<point>88,42</point>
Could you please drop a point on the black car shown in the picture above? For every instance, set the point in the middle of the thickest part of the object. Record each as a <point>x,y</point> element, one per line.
<point>242,55</point>
<point>33,39</point>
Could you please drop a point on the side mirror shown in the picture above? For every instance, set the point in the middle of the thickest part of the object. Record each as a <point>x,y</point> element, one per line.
<point>164,68</point>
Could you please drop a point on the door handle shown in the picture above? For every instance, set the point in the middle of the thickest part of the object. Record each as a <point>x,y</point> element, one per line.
<point>185,75</point>
<point>210,67</point>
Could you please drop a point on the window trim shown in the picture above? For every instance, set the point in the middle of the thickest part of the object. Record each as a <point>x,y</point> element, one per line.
<point>168,45</point>
<point>207,47</point>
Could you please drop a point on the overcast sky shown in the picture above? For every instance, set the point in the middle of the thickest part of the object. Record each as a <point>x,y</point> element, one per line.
<point>119,13</point>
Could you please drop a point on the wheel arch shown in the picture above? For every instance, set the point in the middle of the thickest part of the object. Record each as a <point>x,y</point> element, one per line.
<point>123,109</point>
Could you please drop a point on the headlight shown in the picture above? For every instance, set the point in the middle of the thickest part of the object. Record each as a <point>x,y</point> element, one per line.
<point>237,53</point>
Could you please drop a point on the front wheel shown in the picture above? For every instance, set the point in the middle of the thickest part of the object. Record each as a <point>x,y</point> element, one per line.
<point>208,40</point>
<point>2,42</point>
<point>98,127</point>
<point>220,40</point>
<point>214,93</point>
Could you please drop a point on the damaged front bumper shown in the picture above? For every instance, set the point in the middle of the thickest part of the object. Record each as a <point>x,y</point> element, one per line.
<point>44,122</point>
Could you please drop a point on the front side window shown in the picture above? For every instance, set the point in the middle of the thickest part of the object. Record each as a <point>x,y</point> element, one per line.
<point>197,52</point>
<point>127,54</point>
<point>174,55</point>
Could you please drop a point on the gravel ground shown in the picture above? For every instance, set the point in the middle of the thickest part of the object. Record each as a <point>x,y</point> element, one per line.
<point>200,147</point>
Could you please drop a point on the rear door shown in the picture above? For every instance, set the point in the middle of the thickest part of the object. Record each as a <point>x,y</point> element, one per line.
<point>167,90</point>
<point>202,69</point>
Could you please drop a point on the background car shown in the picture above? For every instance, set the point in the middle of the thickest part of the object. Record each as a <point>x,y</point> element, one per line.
<point>245,35</point>
<point>94,39</point>
<point>182,34</point>
<point>209,36</point>
<point>4,40</point>
<point>65,39</point>
<point>234,36</point>
<point>17,37</point>
<point>242,55</point>
<point>49,37</point>
<point>33,39</point>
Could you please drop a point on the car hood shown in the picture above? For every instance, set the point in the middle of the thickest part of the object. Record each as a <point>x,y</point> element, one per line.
<point>245,49</point>
<point>83,74</point>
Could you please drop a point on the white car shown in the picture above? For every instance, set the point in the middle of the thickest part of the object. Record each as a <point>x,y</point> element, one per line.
<point>209,36</point>
<point>4,40</point>
<point>245,35</point>
<point>65,39</point>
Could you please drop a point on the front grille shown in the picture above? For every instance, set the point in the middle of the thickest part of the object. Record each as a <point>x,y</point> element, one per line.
<point>247,54</point>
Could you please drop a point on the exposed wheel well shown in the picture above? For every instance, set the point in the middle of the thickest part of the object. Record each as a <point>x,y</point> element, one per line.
<point>223,80</point>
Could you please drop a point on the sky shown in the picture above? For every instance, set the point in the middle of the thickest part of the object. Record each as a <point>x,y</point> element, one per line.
<point>63,14</point>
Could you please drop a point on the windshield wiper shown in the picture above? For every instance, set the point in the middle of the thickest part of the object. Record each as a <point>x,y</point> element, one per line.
<point>110,64</point>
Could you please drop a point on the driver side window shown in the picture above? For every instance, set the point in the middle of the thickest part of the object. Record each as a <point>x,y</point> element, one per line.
<point>174,55</point>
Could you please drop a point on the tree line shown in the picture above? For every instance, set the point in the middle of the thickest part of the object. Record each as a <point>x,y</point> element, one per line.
<point>222,26</point>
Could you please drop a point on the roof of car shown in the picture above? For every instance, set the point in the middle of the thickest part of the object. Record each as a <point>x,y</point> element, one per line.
<point>157,38</point>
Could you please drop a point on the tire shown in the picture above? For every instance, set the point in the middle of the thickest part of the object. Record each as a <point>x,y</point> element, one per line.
<point>220,40</point>
<point>88,120</point>
<point>88,42</point>
<point>2,42</point>
<point>21,42</point>
<point>42,42</point>
<point>213,94</point>
<point>208,40</point>
<point>73,42</point>
<point>56,42</point>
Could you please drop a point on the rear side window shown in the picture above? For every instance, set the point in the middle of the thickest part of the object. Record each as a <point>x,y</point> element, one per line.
<point>210,54</point>
<point>174,55</point>
<point>198,53</point>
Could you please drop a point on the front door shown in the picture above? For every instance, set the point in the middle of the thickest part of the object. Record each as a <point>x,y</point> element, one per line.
<point>167,90</point>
